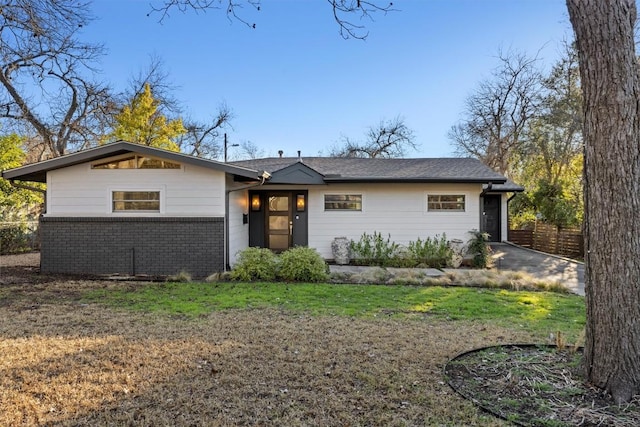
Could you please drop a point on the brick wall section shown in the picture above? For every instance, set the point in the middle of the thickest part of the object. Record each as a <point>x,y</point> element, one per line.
<point>126,245</point>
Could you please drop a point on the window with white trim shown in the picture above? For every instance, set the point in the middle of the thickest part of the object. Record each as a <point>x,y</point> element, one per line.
<point>445,203</point>
<point>135,201</point>
<point>343,202</point>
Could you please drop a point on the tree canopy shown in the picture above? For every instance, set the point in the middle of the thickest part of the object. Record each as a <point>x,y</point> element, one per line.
<point>13,201</point>
<point>142,123</point>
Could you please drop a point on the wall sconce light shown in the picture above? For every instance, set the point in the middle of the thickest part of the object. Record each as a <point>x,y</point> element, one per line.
<point>255,202</point>
<point>300,203</point>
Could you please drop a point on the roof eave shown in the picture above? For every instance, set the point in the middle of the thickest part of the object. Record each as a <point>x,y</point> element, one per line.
<point>37,172</point>
<point>415,180</point>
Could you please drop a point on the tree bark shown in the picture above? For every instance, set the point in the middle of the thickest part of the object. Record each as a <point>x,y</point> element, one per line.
<point>610,85</point>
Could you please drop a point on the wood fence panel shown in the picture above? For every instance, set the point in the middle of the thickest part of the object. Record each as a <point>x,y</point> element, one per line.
<point>570,243</point>
<point>521,237</point>
<point>550,239</point>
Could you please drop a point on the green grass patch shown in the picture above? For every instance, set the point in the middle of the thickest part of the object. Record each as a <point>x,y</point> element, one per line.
<point>540,312</point>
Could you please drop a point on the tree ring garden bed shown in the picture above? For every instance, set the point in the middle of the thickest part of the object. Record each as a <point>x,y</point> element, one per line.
<point>536,385</point>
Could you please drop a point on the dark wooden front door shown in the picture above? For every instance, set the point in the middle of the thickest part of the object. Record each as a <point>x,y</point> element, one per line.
<point>491,217</point>
<point>281,221</point>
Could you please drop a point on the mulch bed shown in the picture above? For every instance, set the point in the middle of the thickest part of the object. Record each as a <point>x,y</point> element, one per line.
<point>536,385</point>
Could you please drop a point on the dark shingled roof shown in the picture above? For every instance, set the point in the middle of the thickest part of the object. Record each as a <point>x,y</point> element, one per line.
<point>340,169</point>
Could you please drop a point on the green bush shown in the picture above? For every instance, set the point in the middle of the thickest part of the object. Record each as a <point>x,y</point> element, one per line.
<point>255,264</point>
<point>479,249</point>
<point>302,264</point>
<point>432,252</point>
<point>373,250</point>
<point>402,258</point>
<point>14,239</point>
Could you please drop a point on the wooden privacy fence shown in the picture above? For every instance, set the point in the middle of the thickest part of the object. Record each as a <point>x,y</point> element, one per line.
<point>551,239</point>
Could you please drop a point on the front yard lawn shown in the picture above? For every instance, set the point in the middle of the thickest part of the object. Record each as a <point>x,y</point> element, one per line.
<point>541,313</point>
<point>79,352</point>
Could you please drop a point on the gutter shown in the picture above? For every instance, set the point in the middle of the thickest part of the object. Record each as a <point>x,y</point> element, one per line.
<point>486,190</point>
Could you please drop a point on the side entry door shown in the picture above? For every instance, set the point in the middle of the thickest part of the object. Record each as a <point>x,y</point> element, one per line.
<point>491,217</point>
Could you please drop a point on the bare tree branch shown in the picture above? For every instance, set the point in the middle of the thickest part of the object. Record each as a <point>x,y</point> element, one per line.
<point>498,112</point>
<point>389,139</point>
<point>43,88</point>
<point>343,10</point>
<point>231,7</point>
<point>365,10</point>
<point>205,139</point>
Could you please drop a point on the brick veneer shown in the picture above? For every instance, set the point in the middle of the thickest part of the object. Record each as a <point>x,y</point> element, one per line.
<point>132,245</point>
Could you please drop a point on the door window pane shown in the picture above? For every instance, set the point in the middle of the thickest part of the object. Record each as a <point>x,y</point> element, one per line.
<point>278,203</point>
<point>279,241</point>
<point>278,222</point>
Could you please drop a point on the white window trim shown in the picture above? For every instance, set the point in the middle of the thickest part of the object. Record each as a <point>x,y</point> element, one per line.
<point>445,211</point>
<point>344,193</point>
<point>161,190</point>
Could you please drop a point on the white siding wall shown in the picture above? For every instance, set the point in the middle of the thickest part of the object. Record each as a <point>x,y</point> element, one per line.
<point>504,215</point>
<point>238,232</point>
<point>396,209</point>
<point>81,191</point>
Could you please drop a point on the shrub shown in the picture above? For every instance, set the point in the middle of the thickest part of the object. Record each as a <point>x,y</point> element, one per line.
<point>255,264</point>
<point>479,249</point>
<point>373,249</point>
<point>302,264</point>
<point>432,252</point>
<point>14,239</point>
<point>402,258</point>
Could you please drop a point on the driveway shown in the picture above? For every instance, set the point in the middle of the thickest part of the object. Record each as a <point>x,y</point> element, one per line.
<point>547,267</point>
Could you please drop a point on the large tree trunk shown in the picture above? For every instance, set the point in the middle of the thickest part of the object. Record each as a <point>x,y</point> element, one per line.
<point>610,84</point>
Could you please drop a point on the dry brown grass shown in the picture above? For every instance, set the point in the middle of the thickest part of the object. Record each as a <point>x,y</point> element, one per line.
<point>63,362</point>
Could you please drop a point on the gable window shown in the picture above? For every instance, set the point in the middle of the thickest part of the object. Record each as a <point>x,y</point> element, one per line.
<point>136,201</point>
<point>445,203</point>
<point>135,161</point>
<point>343,202</point>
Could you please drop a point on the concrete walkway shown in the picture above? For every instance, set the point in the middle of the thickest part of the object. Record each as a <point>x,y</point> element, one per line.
<point>547,267</point>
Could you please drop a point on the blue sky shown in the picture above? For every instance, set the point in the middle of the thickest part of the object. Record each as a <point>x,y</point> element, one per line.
<point>294,84</point>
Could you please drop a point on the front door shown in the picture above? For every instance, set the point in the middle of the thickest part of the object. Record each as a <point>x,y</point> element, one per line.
<point>278,219</point>
<point>491,216</point>
<point>279,222</point>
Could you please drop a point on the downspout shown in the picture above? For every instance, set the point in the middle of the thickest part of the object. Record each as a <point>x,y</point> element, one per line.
<point>28,187</point>
<point>263,177</point>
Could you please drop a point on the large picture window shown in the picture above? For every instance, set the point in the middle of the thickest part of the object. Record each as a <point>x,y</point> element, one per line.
<point>445,203</point>
<point>343,202</point>
<point>136,201</point>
